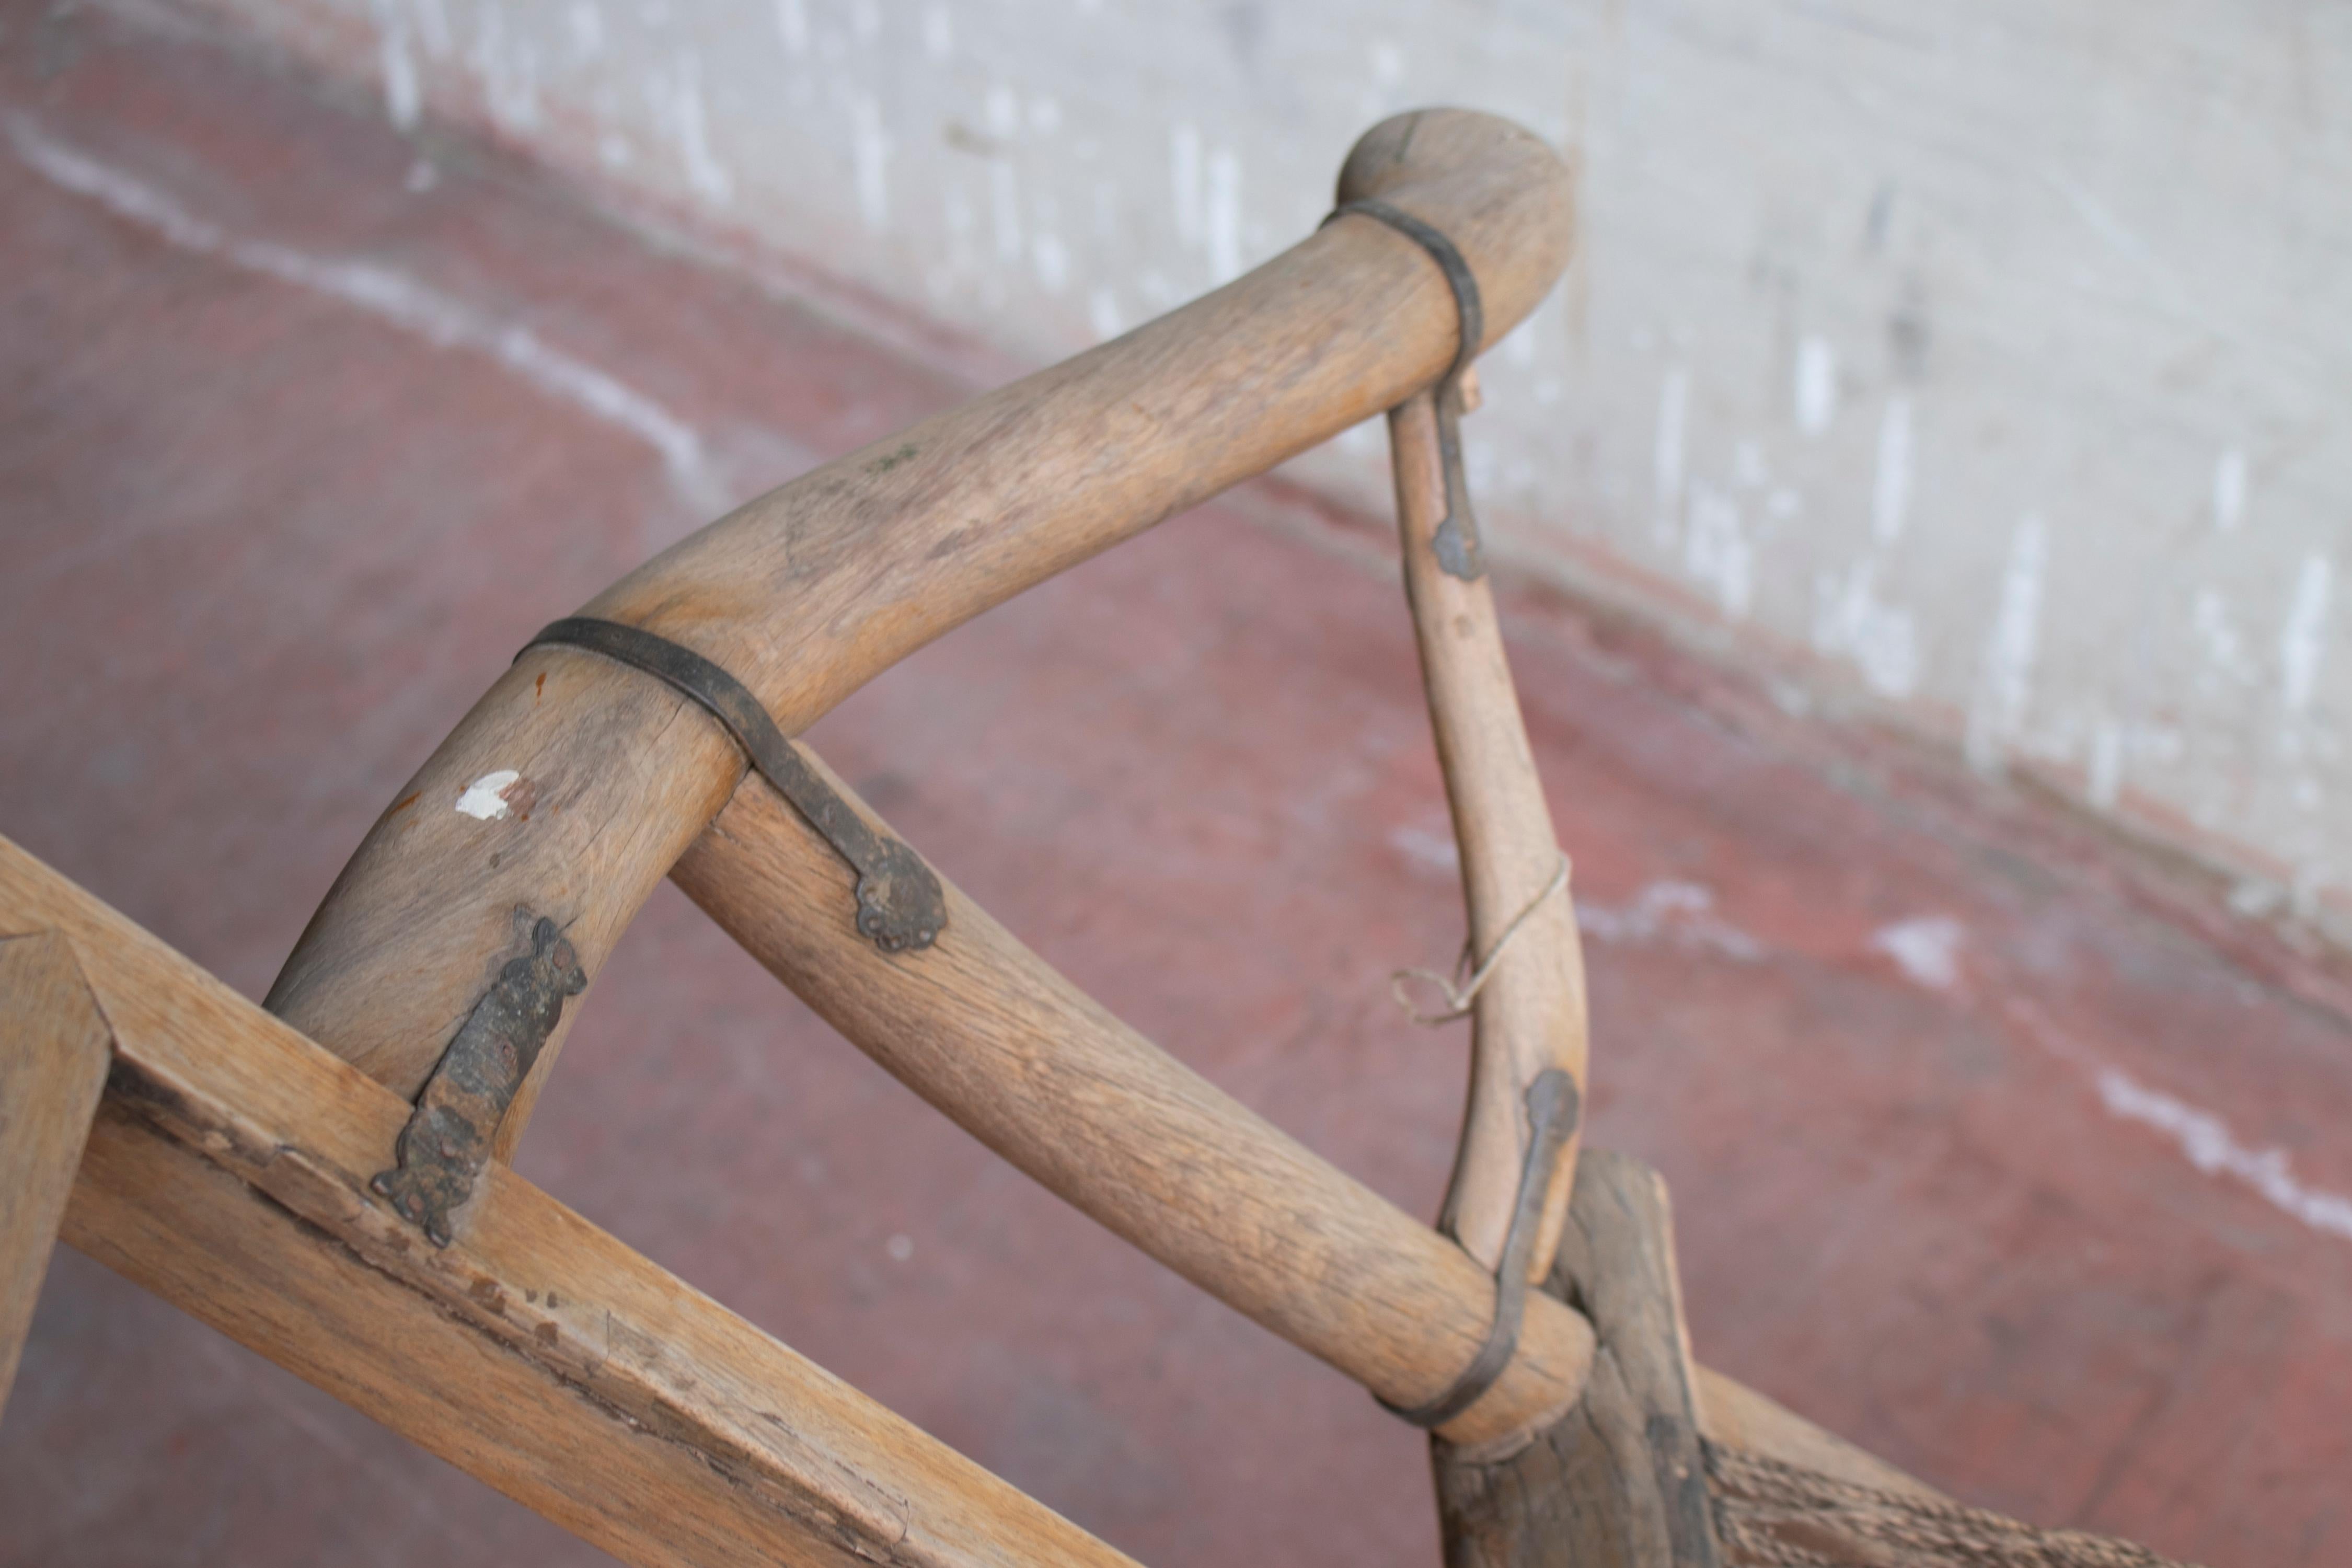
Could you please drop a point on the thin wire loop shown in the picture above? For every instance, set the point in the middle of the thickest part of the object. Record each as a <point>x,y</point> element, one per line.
<point>1459,995</point>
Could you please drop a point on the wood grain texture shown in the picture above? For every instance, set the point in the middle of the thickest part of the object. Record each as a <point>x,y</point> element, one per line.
<point>809,591</point>
<point>227,1172</point>
<point>54,1045</point>
<point>1621,1482</point>
<point>1044,1075</point>
<point>984,1030</point>
<point>1530,1014</point>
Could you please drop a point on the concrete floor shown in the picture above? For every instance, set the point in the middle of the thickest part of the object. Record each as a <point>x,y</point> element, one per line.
<point>1988,1151</point>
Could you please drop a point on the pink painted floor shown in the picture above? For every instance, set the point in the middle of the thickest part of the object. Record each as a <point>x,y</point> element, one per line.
<point>1984,1152</point>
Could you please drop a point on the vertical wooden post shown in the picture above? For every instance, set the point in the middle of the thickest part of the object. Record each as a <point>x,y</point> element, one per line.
<point>1531,1013</point>
<point>54,1048</point>
<point>1620,1483</point>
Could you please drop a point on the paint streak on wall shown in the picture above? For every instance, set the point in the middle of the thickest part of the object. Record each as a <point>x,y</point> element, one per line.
<point>1824,358</point>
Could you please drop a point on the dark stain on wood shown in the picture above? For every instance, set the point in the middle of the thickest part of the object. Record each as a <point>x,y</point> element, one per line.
<point>1620,1480</point>
<point>443,1148</point>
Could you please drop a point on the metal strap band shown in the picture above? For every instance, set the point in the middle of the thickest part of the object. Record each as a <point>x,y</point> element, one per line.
<point>900,904</point>
<point>1552,1110</point>
<point>1456,542</point>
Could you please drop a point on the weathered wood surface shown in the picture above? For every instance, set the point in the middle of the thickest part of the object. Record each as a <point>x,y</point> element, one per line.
<point>1734,1416</point>
<point>1621,1481</point>
<point>227,1172</point>
<point>54,1044</point>
<point>809,591</point>
<point>987,1031</point>
<point>1531,1013</point>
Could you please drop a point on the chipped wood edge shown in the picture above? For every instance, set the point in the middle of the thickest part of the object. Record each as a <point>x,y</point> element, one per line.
<point>54,1045</point>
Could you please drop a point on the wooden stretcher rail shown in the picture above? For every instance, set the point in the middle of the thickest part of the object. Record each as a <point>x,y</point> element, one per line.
<point>987,1032</point>
<point>808,592</point>
<point>227,1172</point>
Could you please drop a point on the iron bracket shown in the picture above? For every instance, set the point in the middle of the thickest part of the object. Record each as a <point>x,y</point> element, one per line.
<point>900,904</point>
<point>1456,539</point>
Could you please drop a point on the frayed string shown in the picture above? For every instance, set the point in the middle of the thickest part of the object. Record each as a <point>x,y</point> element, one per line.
<point>1460,993</point>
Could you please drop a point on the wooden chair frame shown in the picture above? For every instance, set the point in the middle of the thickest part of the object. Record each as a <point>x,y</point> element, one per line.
<point>227,1163</point>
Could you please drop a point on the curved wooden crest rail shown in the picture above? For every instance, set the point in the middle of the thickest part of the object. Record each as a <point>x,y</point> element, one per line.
<point>533,1351</point>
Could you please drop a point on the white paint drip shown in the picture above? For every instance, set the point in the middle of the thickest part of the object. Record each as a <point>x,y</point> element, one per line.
<point>2104,786</point>
<point>1682,913</point>
<point>1184,180</point>
<point>485,799</point>
<point>404,96</point>
<point>1749,468</point>
<point>792,27</point>
<point>587,25</point>
<point>1816,385</point>
<point>2005,682</point>
<point>1717,550</point>
<point>1053,261</point>
<point>703,170</point>
<point>2302,640</point>
<point>2210,618</point>
<point>866,20</point>
<point>2206,1139</point>
<point>1044,114</point>
<point>938,33</point>
<point>1222,216</point>
<point>1890,495</point>
<point>508,68</point>
<point>1669,459</point>
<point>1851,620</point>
<point>1388,62</point>
<point>1003,112</point>
<point>390,296</point>
<point>1927,948</point>
<point>1102,313</point>
<point>433,26</point>
<point>1004,209</point>
<point>2229,490</point>
<point>870,156</point>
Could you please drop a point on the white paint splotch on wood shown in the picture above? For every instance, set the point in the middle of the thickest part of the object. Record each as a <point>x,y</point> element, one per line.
<point>485,799</point>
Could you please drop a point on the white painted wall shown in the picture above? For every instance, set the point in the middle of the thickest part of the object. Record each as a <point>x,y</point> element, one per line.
<point>1989,360</point>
